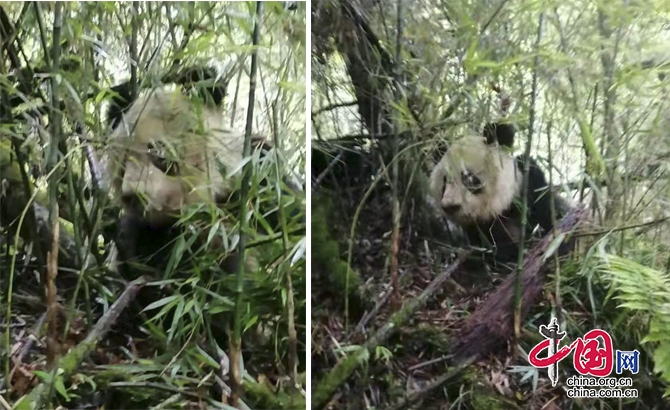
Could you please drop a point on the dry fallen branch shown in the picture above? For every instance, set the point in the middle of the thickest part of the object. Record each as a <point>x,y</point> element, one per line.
<point>325,388</point>
<point>170,389</point>
<point>491,324</point>
<point>417,395</point>
<point>71,362</point>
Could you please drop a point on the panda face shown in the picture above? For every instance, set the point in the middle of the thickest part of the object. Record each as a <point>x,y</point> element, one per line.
<point>172,151</point>
<point>475,181</point>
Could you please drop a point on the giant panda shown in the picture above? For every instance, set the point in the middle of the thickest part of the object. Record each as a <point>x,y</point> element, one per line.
<point>479,183</point>
<point>169,149</point>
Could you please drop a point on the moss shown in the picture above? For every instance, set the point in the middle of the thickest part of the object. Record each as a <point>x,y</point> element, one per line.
<point>426,337</point>
<point>482,397</point>
<point>261,395</point>
<point>9,166</point>
<point>482,400</point>
<point>326,252</point>
<point>334,379</point>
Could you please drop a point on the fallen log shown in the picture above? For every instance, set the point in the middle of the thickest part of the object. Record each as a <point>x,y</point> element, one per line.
<point>68,364</point>
<point>490,326</point>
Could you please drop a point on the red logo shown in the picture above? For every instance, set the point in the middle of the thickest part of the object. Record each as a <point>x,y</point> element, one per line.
<point>589,358</point>
<point>593,353</point>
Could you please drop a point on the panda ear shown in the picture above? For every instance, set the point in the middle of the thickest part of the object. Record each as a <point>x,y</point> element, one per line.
<point>500,133</point>
<point>121,100</point>
<point>206,82</point>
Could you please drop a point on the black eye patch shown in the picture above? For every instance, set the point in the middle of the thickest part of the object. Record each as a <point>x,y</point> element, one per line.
<point>472,182</point>
<point>161,157</point>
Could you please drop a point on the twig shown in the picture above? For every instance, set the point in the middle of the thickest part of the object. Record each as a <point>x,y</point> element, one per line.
<point>4,404</point>
<point>69,363</point>
<point>325,172</point>
<point>326,387</point>
<point>290,304</point>
<point>333,107</point>
<point>418,394</point>
<point>169,389</point>
<point>52,298</point>
<point>372,313</point>
<point>33,334</point>
<point>132,49</point>
<point>493,17</point>
<point>624,228</point>
<point>13,207</point>
<point>557,266</point>
<point>428,363</point>
<point>472,79</point>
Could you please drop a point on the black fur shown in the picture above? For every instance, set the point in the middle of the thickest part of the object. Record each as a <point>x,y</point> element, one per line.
<point>341,167</point>
<point>119,104</point>
<point>202,79</point>
<point>136,240</point>
<point>502,233</point>
<point>141,243</point>
<point>539,197</point>
<point>501,133</point>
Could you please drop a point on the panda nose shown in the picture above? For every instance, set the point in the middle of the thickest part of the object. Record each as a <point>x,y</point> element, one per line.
<point>452,209</point>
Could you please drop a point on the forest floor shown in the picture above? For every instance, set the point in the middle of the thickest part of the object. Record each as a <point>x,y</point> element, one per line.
<point>418,352</point>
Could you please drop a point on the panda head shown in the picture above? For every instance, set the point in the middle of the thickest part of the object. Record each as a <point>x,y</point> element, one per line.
<point>171,151</point>
<point>476,180</point>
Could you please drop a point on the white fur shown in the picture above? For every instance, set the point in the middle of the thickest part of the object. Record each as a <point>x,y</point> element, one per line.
<point>494,166</point>
<point>195,133</point>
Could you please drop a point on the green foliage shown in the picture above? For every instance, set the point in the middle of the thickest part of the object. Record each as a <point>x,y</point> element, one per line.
<point>643,290</point>
<point>600,126</point>
<point>327,256</point>
<point>201,295</point>
<point>56,380</point>
<point>9,167</point>
<point>595,167</point>
<point>188,319</point>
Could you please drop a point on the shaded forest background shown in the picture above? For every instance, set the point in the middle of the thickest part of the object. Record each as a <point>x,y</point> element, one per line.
<point>59,64</point>
<point>586,84</point>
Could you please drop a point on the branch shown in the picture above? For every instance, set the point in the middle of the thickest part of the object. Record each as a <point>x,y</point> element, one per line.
<point>645,225</point>
<point>415,396</point>
<point>71,362</point>
<point>333,107</point>
<point>326,387</point>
